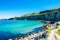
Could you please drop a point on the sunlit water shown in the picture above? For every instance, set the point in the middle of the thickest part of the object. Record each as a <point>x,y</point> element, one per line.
<point>19,26</point>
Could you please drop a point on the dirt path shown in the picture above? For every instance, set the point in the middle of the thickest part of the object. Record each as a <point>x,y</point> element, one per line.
<point>53,35</point>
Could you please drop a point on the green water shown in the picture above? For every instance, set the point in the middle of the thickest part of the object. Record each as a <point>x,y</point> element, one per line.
<point>19,26</point>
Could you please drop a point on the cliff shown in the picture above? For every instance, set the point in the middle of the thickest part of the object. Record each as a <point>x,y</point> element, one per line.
<point>53,14</point>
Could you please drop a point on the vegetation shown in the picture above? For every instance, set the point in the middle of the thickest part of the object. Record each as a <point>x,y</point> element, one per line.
<point>58,32</point>
<point>43,15</point>
<point>48,30</point>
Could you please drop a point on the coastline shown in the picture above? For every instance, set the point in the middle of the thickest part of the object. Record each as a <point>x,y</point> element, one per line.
<point>38,33</point>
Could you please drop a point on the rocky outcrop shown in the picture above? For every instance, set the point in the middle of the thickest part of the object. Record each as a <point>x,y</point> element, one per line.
<point>46,15</point>
<point>50,15</point>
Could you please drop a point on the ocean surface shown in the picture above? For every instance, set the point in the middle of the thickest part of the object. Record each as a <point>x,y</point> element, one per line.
<point>19,26</point>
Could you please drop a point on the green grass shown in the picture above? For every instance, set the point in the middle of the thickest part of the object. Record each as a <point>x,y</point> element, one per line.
<point>58,32</point>
<point>48,30</point>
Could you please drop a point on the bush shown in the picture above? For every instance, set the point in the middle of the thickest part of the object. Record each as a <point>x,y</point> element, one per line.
<point>58,32</point>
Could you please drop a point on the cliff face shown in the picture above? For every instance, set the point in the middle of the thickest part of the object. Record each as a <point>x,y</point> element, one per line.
<point>50,15</point>
<point>46,15</point>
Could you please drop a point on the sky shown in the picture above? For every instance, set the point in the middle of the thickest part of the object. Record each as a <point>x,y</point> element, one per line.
<point>16,8</point>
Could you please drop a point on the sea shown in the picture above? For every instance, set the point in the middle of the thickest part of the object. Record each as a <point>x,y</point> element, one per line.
<point>15,27</point>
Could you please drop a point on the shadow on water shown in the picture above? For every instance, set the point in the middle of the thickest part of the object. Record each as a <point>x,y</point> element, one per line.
<point>37,29</point>
<point>7,35</point>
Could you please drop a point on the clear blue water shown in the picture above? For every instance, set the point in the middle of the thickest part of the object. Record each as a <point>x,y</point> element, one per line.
<point>19,26</point>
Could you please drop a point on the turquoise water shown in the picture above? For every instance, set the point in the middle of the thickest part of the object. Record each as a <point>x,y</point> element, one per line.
<point>19,26</point>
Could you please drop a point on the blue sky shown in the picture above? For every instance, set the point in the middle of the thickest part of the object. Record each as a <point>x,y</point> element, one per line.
<point>12,8</point>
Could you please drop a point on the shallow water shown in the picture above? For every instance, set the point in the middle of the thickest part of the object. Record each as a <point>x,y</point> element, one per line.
<point>19,26</point>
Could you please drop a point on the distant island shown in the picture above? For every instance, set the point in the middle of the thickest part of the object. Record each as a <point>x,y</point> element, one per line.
<point>49,15</point>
